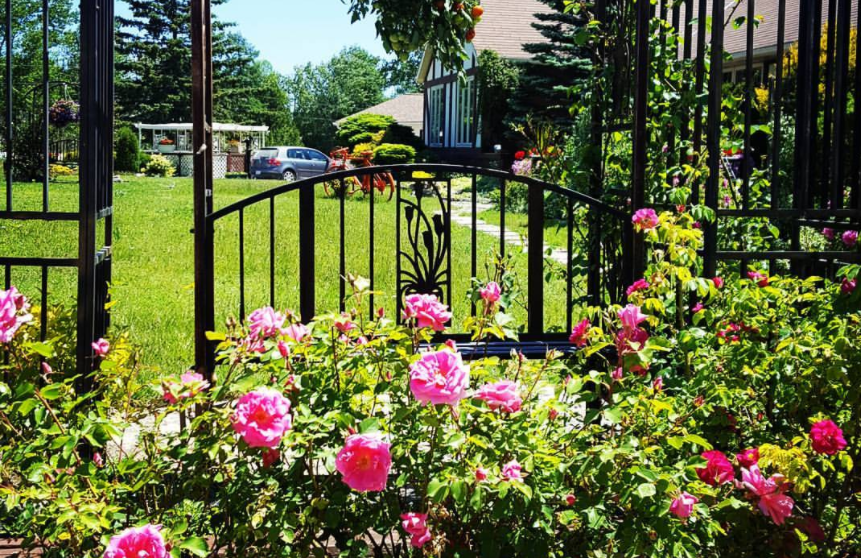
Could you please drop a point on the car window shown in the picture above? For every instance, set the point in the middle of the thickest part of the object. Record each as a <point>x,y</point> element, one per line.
<point>295,154</point>
<point>315,155</point>
<point>267,153</point>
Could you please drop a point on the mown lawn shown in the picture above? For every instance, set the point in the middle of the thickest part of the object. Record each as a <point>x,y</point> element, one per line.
<point>153,258</point>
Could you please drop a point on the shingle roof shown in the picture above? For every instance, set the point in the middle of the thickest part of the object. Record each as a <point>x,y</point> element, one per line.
<point>405,109</point>
<point>507,26</point>
<point>765,34</point>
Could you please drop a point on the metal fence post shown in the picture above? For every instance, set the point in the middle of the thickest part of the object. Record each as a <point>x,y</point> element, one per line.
<point>307,276</point>
<point>536,259</point>
<point>636,250</point>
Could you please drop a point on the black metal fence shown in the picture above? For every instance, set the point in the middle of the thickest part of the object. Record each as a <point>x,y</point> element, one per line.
<point>93,214</point>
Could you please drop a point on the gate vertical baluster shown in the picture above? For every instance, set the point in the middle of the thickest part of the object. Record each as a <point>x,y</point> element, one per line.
<point>242,264</point>
<point>307,278</point>
<point>802,165</point>
<point>43,311</point>
<point>447,224</point>
<point>474,234</point>
<point>747,160</point>
<point>535,257</point>
<point>272,251</point>
<point>841,94</point>
<point>502,188</point>
<point>825,192</point>
<point>398,295</point>
<point>10,99</point>
<point>46,130</point>
<point>371,242</point>
<point>713,139</point>
<point>342,243</point>
<point>569,289</point>
<point>698,87</point>
<point>855,200</point>
<point>636,256</point>
<point>778,106</point>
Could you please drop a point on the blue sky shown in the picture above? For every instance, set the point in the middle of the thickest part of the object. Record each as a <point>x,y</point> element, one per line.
<point>289,33</point>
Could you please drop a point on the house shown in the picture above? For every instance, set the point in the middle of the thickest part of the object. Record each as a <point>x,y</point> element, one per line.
<point>451,122</point>
<point>405,109</point>
<point>764,51</point>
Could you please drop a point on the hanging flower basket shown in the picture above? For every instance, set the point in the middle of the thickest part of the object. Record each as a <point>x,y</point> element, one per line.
<point>64,112</point>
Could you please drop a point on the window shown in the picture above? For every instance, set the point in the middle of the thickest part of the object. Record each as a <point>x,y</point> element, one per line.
<point>465,112</point>
<point>315,155</point>
<point>435,116</point>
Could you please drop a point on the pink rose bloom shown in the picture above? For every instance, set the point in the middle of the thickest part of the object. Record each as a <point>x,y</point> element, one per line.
<point>553,414</point>
<point>698,307</point>
<point>491,293</point>
<point>631,341</point>
<point>748,458</point>
<point>137,542</point>
<point>848,286</point>
<point>271,457</point>
<point>683,506</point>
<point>570,499</point>
<point>101,347</point>
<point>189,385</point>
<point>772,502</point>
<point>829,233</point>
<point>827,438</point>
<point>440,378</point>
<point>262,417</point>
<point>639,285</point>
<point>265,323</point>
<point>645,220</point>
<point>718,281</point>
<point>758,278</point>
<point>618,373</point>
<point>480,474</point>
<point>580,334</point>
<point>98,461</point>
<point>414,523</point>
<point>658,384</point>
<point>283,349</point>
<point>717,471</point>
<point>13,313</point>
<point>850,239</point>
<point>46,369</point>
<point>297,332</point>
<point>512,471</point>
<point>364,463</point>
<point>418,541</point>
<point>427,311</point>
<point>501,395</point>
<point>631,316</point>
<point>345,323</point>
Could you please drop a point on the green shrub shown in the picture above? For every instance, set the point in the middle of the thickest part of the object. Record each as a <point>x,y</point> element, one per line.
<point>363,128</point>
<point>398,133</point>
<point>127,151</point>
<point>159,165</point>
<point>394,154</point>
<point>144,160</point>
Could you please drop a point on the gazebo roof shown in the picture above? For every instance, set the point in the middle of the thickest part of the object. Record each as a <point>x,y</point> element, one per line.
<point>216,127</point>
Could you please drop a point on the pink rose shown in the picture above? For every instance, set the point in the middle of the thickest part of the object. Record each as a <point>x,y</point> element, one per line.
<point>283,349</point>
<point>189,385</point>
<point>630,341</point>
<point>718,281</point>
<point>13,313</point>
<point>101,347</point>
<point>829,233</point>
<point>364,463</point>
<point>698,307</point>
<point>512,471</point>
<point>427,311</point>
<point>658,384</point>
<point>345,323</point>
<point>618,373</point>
<point>580,334</point>
<point>137,542</point>
<point>271,457</point>
<point>772,502</point>
<point>748,458</point>
<point>262,417</point>
<point>501,395</point>
<point>491,293</point>
<point>631,316</point>
<point>414,523</point>
<point>553,414</point>
<point>440,378</point>
<point>645,220</point>
<point>418,541</point>
<point>639,285</point>
<point>827,438</point>
<point>98,460</point>
<point>850,239</point>
<point>46,369</point>
<point>480,474</point>
<point>297,332</point>
<point>758,278</point>
<point>683,506</point>
<point>848,286</point>
<point>265,323</point>
<point>717,471</point>
<point>570,500</point>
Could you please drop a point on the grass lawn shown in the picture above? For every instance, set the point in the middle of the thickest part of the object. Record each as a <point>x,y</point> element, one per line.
<point>153,258</point>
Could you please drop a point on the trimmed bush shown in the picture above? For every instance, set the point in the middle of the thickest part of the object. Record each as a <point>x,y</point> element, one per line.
<point>363,128</point>
<point>159,165</point>
<point>127,150</point>
<point>394,154</point>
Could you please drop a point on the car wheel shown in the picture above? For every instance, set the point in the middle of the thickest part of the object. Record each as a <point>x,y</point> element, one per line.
<point>289,176</point>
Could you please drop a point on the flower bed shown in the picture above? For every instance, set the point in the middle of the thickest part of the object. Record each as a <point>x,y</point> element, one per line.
<point>729,428</point>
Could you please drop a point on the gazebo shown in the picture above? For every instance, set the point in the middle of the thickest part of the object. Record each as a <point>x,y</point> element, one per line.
<point>230,143</point>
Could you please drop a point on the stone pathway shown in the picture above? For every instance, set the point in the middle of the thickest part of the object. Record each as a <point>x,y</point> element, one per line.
<point>461,214</point>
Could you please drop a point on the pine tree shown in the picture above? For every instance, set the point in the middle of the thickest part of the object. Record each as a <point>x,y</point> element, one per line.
<point>557,65</point>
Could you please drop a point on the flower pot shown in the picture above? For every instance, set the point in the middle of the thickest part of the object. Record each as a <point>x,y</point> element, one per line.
<point>166,148</point>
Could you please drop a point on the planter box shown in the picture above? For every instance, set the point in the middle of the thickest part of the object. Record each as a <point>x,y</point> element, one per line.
<point>166,148</point>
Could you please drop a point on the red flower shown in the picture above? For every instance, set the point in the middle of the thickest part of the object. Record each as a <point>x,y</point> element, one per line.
<point>717,471</point>
<point>579,335</point>
<point>827,438</point>
<point>520,155</point>
<point>748,458</point>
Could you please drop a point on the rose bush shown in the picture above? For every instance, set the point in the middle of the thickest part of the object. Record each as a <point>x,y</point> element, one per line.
<point>658,434</point>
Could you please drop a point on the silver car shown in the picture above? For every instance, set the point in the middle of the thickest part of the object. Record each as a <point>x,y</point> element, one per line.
<point>289,163</point>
